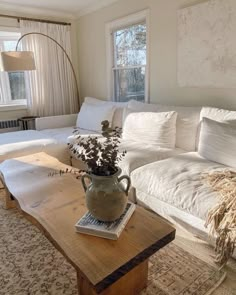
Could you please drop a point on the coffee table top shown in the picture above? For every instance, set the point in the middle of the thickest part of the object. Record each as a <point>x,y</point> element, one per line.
<point>56,203</point>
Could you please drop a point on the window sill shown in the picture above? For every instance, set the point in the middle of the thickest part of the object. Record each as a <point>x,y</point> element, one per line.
<point>14,107</point>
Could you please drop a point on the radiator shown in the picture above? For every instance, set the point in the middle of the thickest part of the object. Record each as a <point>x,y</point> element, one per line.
<point>9,125</point>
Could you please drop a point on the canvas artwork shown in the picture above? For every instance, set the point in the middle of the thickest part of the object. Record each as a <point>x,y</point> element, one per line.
<point>207,45</point>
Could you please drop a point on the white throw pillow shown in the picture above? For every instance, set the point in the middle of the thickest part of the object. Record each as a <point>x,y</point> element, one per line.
<point>219,115</point>
<point>91,116</point>
<point>118,113</point>
<point>217,142</point>
<point>150,128</point>
<point>186,124</point>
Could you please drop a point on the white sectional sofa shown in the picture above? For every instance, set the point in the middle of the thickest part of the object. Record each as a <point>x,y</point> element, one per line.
<point>52,140</point>
<point>162,152</point>
<point>174,187</point>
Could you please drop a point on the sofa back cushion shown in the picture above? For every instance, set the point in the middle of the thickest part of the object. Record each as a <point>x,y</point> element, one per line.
<point>91,116</point>
<point>151,128</point>
<point>118,112</point>
<point>186,124</point>
<point>217,142</point>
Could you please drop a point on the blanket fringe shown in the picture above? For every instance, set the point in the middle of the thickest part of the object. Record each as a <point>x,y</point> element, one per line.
<point>222,218</point>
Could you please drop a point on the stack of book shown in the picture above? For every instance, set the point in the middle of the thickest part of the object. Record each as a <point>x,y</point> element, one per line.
<point>108,230</point>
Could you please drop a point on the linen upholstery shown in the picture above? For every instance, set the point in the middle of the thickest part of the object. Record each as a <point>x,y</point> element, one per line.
<point>218,142</point>
<point>150,128</point>
<point>118,113</point>
<point>186,124</point>
<point>91,116</point>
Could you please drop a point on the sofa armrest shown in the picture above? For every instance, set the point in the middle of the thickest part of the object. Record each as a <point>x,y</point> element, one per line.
<point>55,122</point>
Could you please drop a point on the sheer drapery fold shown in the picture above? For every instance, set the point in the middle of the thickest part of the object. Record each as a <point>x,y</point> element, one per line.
<point>52,84</point>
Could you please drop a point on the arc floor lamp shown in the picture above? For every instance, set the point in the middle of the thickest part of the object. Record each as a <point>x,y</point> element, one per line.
<point>16,61</point>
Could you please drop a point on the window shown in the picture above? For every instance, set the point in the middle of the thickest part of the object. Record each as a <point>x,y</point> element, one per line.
<point>12,84</point>
<point>128,66</point>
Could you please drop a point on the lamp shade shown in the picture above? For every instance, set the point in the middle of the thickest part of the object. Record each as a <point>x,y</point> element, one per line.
<point>17,61</point>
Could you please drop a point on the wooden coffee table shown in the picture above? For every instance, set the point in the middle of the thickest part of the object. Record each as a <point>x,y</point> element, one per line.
<point>54,204</point>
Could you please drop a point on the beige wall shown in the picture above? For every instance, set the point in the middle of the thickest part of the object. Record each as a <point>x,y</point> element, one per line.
<point>163,52</point>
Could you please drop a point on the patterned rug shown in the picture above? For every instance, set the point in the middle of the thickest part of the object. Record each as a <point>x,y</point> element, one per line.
<point>30,265</point>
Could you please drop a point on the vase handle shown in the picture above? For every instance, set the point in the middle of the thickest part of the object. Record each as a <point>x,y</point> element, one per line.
<point>83,181</point>
<point>128,182</point>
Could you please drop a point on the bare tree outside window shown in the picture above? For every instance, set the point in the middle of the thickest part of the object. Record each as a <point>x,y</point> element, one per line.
<point>17,85</point>
<point>130,63</point>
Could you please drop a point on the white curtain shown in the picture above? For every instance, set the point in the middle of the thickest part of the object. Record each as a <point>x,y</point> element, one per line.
<point>52,85</point>
<point>5,94</point>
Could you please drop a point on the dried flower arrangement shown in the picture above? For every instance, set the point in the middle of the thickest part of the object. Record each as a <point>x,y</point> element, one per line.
<point>101,155</point>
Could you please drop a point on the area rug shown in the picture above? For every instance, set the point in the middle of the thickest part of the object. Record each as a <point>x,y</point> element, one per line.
<point>30,265</point>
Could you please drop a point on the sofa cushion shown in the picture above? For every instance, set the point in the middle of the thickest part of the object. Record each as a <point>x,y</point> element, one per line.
<point>59,134</point>
<point>218,142</point>
<point>178,181</point>
<point>215,114</point>
<point>186,124</point>
<point>118,113</point>
<point>139,155</point>
<point>150,128</point>
<point>91,116</point>
<point>22,143</point>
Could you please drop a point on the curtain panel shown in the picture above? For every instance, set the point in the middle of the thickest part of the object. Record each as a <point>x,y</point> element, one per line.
<point>52,85</point>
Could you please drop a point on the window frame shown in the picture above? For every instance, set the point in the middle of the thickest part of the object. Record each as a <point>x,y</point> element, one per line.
<point>124,22</point>
<point>13,104</point>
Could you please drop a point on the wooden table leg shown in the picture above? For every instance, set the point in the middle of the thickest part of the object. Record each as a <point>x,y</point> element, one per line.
<point>8,201</point>
<point>131,283</point>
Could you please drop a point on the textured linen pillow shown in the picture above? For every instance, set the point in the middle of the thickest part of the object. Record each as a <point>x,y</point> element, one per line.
<point>151,128</point>
<point>186,124</point>
<point>217,142</point>
<point>91,116</point>
<point>219,115</point>
<point>118,113</point>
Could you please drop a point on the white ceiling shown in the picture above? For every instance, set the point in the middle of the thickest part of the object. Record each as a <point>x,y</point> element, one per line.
<point>60,8</point>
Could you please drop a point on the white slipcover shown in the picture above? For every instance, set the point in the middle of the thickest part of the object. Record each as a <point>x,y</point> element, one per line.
<point>186,124</point>
<point>218,142</point>
<point>151,128</point>
<point>177,181</point>
<point>21,143</point>
<point>139,154</point>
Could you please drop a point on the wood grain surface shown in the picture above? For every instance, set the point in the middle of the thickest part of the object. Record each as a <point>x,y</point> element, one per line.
<point>56,203</point>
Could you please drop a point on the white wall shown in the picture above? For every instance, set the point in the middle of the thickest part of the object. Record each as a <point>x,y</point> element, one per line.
<point>163,54</point>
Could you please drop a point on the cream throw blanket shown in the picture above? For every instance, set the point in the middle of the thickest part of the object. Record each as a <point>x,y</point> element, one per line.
<point>222,218</point>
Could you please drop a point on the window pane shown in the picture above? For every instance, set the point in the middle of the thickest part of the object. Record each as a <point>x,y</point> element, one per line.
<point>130,46</point>
<point>17,85</point>
<point>130,84</point>
<point>12,84</point>
<point>10,45</point>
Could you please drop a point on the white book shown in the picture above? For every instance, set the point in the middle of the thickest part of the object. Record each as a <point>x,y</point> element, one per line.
<point>108,230</point>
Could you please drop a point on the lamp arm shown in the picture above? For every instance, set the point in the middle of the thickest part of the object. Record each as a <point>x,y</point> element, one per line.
<point>66,54</point>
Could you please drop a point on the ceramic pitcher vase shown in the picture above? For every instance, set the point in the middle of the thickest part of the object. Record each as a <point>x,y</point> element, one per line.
<point>106,197</point>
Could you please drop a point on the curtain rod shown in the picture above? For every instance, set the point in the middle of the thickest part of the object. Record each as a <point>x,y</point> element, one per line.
<point>35,19</point>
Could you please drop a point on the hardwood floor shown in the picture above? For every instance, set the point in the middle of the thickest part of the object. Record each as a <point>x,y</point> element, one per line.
<point>205,252</point>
